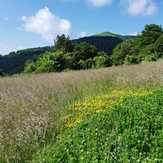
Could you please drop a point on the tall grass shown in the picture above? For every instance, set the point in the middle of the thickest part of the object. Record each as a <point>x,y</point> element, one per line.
<point>32,106</point>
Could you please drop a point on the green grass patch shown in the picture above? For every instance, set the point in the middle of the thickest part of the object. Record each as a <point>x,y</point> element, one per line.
<point>128,132</point>
<point>40,113</point>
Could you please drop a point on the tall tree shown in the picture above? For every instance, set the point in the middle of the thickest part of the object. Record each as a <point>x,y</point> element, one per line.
<point>83,51</point>
<point>121,51</point>
<point>148,36</point>
<point>159,47</point>
<point>63,43</point>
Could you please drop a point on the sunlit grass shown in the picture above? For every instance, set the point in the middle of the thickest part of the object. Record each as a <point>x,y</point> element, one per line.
<point>33,108</point>
<point>131,132</point>
<point>77,111</point>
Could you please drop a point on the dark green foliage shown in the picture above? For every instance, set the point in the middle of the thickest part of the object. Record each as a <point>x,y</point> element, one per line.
<point>84,56</point>
<point>148,53</point>
<point>131,59</point>
<point>64,44</point>
<point>102,43</point>
<point>2,73</point>
<point>121,51</point>
<point>148,46</point>
<point>82,52</point>
<point>14,62</point>
<point>149,35</point>
<point>159,47</point>
<point>102,60</point>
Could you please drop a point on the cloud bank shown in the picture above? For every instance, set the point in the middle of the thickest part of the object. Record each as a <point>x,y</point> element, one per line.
<point>6,49</point>
<point>139,7</point>
<point>46,24</point>
<point>131,7</point>
<point>82,34</point>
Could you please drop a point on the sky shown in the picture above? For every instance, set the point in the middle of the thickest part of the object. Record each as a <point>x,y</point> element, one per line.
<point>36,23</point>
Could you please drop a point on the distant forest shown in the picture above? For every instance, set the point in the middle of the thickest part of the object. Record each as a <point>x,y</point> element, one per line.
<point>14,62</point>
<point>102,50</point>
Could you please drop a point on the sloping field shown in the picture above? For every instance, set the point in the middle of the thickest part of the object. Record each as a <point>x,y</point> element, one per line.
<point>72,116</point>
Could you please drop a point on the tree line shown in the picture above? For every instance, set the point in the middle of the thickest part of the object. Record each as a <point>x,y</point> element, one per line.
<point>148,46</point>
<point>67,54</point>
<point>14,62</point>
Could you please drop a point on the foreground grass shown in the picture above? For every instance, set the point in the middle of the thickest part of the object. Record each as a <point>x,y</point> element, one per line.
<point>33,110</point>
<point>129,131</point>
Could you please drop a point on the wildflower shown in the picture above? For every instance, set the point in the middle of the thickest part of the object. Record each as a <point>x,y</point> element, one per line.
<point>98,111</point>
<point>101,103</point>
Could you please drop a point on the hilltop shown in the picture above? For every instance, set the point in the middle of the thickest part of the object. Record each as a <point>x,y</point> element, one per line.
<point>14,62</point>
<point>105,41</point>
<point>123,37</point>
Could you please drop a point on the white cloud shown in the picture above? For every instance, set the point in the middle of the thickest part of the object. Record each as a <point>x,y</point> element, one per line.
<point>133,34</point>
<point>4,49</point>
<point>99,3</point>
<point>20,47</point>
<point>82,34</point>
<point>139,7</point>
<point>46,24</point>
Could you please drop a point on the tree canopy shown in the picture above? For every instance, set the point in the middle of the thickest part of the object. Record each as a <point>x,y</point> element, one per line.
<point>63,43</point>
<point>86,53</point>
<point>68,56</point>
<point>148,46</point>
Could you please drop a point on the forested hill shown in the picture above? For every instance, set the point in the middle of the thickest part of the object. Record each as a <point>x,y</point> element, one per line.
<point>105,41</point>
<point>14,62</point>
<point>123,37</point>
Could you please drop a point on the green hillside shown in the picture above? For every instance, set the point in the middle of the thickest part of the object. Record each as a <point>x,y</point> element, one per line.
<point>14,62</point>
<point>108,115</point>
<point>102,43</point>
<point>123,37</point>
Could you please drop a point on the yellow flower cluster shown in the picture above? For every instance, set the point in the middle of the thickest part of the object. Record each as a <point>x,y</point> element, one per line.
<point>79,110</point>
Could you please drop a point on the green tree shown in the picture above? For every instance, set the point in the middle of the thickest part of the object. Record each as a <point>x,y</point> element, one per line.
<point>148,36</point>
<point>121,51</point>
<point>101,60</point>
<point>90,63</point>
<point>29,67</point>
<point>64,44</point>
<point>49,62</point>
<point>83,51</point>
<point>131,59</point>
<point>159,47</point>
<point>148,53</point>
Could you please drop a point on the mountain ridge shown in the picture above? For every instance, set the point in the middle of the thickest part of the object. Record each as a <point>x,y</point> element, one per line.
<point>106,33</point>
<point>14,62</point>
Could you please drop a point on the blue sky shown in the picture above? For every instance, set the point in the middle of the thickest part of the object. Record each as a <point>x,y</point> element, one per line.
<point>36,23</point>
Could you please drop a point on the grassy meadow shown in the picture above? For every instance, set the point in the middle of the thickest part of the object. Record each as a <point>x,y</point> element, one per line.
<point>103,115</point>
